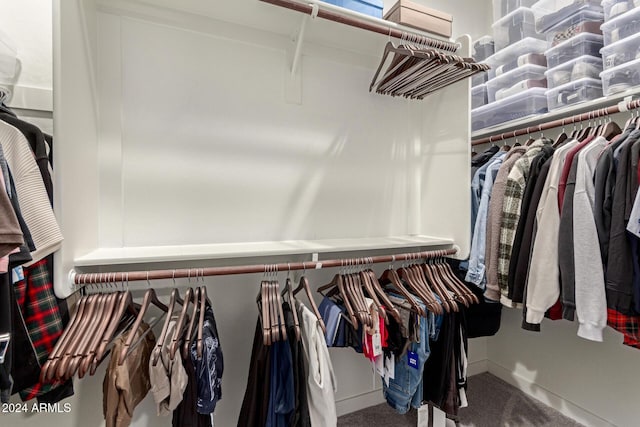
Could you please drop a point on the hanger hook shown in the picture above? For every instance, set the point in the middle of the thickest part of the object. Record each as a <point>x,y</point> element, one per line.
<point>148,282</point>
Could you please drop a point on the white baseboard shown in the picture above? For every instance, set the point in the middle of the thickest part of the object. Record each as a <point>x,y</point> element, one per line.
<point>477,367</point>
<point>361,401</point>
<point>549,398</point>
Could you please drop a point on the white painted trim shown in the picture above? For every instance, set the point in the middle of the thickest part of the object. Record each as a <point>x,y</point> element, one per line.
<point>32,98</point>
<point>547,397</point>
<point>146,254</point>
<point>478,367</point>
<point>361,401</point>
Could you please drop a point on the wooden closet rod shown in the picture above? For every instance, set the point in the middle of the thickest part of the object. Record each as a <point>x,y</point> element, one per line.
<point>561,122</point>
<point>364,22</point>
<point>184,273</point>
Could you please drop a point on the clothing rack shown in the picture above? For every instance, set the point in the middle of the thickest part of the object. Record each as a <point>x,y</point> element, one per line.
<point>79,280</point>
<point>365,22</point>
<point>594,114</point>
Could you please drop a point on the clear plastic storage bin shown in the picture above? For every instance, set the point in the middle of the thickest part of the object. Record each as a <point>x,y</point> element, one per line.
<point>576,69</point>
<point>502,8</point>
<point>478,96</point>
<point>510,54</point>
<point>526,59</point>
<point>483,48</point>
<point>507,81</point>
<point>621,78</point>
<point>580,45</point>
<point>621,27</point>
<point>574,92</point>
<point>522,105</point>
<point>613,8</point>
<point>479,79</point>
<point>518,25</point>
<point>549,13</point>
<point>586,21</point>
<point>621,52</point>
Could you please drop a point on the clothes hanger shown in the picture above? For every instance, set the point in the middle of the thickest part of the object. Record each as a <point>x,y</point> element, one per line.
<point>86,327</point>
<point>273,309</point>
<point>188,337</point>
<point>561,138</point>
<point>432,304</point>
<point>337,283</point>
<point>390,276</point>
<point>88,353</point>
<point>281,322</point>
<point>160,342</point>
<point>304,285</point>
<point>357,299</point>
<point>377,287</point>
<point>448,303</point>
<point>461,293</point>
<point>264,308</point>
<point>414,284</point>
<point>125,305</point>
<point>365,280</point>
<point>47,373</point>
<point>203,302</point>
<point>150,297</point>
<point>179,332</point>
<point>288,292</point>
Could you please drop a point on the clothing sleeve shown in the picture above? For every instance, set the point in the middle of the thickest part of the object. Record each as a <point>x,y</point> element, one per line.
<point>510,216</point>
<point>591,303</point>
<point>10,232</point>
<point>543,284</point>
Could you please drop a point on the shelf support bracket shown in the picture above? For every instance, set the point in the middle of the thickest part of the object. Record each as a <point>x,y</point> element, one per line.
<point>293,85</point>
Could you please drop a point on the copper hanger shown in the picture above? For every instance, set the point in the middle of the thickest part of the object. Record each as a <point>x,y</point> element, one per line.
<point>178,333</point>
<point>190,329</point>
<point>391,276</point>
<point>304,285</point>
<point>150,297</point>
<point>161,341</point>
<point>337,283</point>
<point>288,293</point>
<point>389,306</point>
<point>203,307</point>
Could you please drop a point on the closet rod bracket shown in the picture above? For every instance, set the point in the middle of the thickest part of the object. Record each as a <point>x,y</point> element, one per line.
<point>299,40</point>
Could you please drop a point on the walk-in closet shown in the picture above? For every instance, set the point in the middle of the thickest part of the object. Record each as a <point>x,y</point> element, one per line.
<point>319,213</point>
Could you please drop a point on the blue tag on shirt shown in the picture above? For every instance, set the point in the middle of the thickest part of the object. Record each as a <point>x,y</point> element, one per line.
<point>412,359</point>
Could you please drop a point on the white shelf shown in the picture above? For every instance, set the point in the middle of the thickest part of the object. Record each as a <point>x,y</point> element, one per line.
<point>554,115</point>
<point>152,254</point>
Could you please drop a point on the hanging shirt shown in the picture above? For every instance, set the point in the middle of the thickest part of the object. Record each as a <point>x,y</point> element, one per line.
<point>321,382</point>
<point>209,367</point>
<point>168,377</point>
<point>591,303</point>
<point>126,385</point>
<point>543,283</point>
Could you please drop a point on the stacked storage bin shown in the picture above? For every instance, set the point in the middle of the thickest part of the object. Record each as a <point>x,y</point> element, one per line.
<point>574,40</point>
<point>621,52</point>
<point>516,85</point>
<point>482,49</point>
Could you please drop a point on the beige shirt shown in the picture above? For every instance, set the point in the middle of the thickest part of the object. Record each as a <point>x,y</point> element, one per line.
<point>125,386</point>
<point>168,377</point>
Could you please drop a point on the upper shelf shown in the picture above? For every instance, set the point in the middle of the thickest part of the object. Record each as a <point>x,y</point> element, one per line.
<point>252,15</point>
<point>140,255</point>
<point>554,115</point>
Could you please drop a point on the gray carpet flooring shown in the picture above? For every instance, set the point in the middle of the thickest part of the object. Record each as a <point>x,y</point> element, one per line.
<point>492,403</point>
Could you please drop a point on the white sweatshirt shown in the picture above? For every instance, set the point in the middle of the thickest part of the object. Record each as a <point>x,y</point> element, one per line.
<point>591,300</point>
<point>321,382</point>
<point>543,281</point>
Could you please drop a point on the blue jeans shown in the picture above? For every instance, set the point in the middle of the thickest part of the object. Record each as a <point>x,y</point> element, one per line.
<point>405,390</point>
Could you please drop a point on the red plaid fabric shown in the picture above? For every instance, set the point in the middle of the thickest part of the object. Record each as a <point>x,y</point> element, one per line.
<point>39,308</point>
<point>629,326</point>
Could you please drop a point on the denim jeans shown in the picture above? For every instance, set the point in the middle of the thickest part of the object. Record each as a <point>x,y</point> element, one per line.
<point>405,390</point>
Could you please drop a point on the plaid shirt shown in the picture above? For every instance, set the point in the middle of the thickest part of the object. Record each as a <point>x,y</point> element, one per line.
<point>514,191</point>
<point>39,308</point>
<point>627,325</point>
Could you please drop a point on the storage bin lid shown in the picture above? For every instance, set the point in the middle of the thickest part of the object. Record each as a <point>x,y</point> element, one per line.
<point>520,15</point>
<point>621,20</point>
<point>514,51</point>
<point>532,70</point>
<point>621,44</point>
<point>587,81</point>
<point>479,89</point>
<point>593,60</point>
<point>580,38</point>
<point>587,15</point>
<point>622,67</point>
<point>533,92</point>
<point>549,13</point>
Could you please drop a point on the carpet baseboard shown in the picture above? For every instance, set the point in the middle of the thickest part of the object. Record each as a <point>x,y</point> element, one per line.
<point>547,397</point>
<point>361,401</point>
<point>478,367</point>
